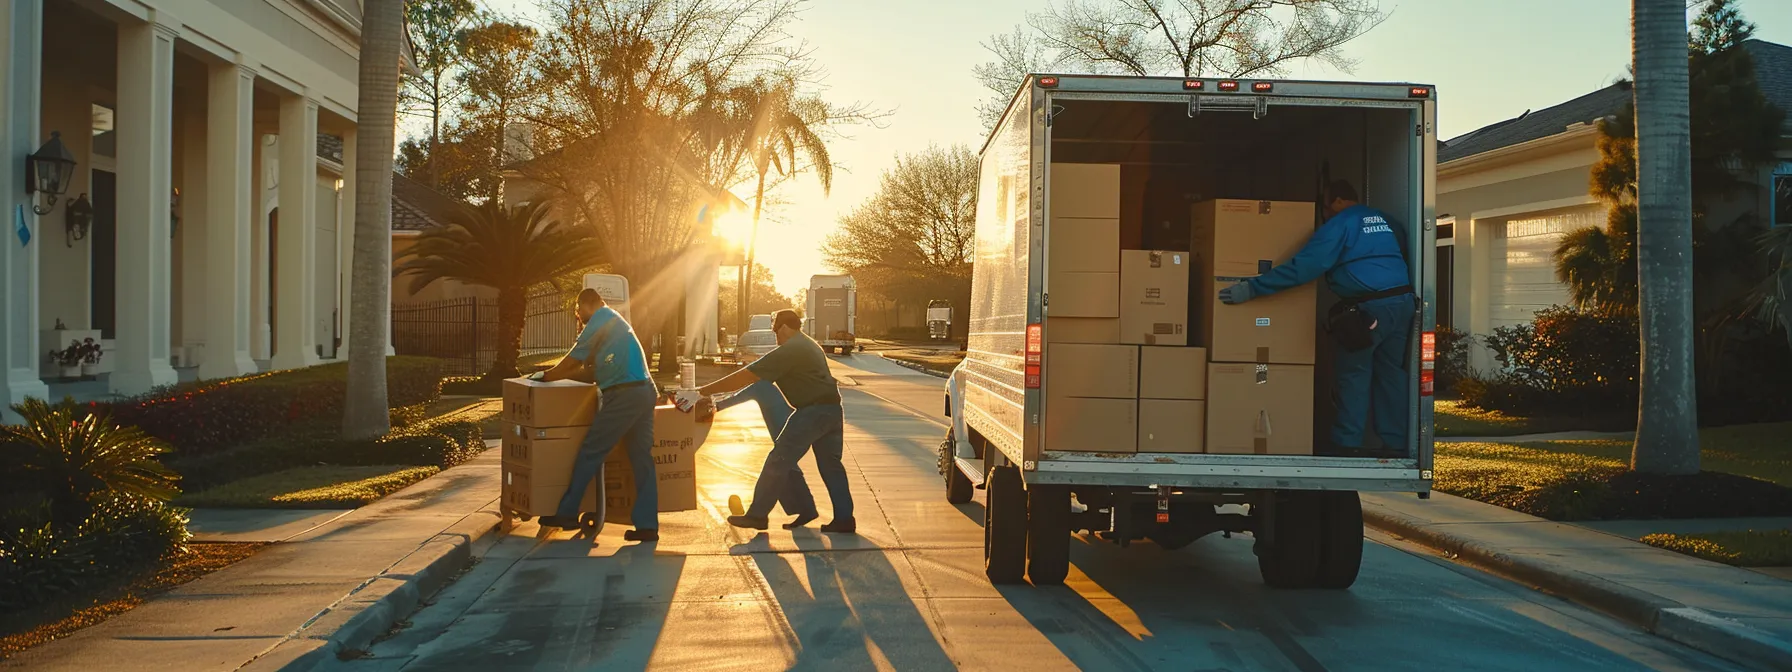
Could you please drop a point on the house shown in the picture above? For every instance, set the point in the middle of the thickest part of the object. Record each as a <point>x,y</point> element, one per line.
<point>200,232</point>
<point>1508,192</point>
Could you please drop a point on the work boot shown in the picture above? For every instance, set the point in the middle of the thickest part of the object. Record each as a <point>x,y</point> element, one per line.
<point>639,534</point>
<point>749,522</point>
<point>801,520</point>
<point>735,507</point>
<point>838,526</point>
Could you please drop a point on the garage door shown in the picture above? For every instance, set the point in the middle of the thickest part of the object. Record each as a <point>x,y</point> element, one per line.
<point>1523,276</point>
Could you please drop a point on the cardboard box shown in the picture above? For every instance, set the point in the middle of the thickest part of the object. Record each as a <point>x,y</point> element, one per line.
<point>1154,297</point>
<point>561,403</point>
<point>1172,426</point>
<point>522,494</point>
<point>1083,295</point>
<point>1098,371</point>
<point>1085,190</point>
<point>545,456</point>
<point>1262,409</point>
<point>1092,425</point>
<point>1235,240</point>
<point>1099,330</point>
<point>1172,373</point>
<point>1081,245</point>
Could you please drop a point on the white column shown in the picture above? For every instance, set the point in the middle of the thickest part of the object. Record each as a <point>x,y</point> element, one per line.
<point>145,139</point>
<point>294,287</point>
<point>229,197</point>
<point>261,333</point>
<point>21,76</point>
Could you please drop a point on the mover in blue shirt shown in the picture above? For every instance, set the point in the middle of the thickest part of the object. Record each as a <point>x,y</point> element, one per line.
<point>607,346</point>
<point>1361,255</point>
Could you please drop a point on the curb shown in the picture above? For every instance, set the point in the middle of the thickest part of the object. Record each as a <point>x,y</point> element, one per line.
<point>914,367</point>
<point>371,610</point>
<point>1722,637</point>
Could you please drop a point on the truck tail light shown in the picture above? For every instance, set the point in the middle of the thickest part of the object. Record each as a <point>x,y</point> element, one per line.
<point>1419,92</point>
<point>1427,363</point>
<point>1229,85</point>
<point>1035,346</point>
<point>1192,84</point>
<point>1048,82</point>
<point>1263,87</point>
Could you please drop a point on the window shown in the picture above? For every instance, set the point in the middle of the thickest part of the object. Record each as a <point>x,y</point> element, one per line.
<point>105,137</point>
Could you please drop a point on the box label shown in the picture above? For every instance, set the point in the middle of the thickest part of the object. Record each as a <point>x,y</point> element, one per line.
<point>1262,321</point>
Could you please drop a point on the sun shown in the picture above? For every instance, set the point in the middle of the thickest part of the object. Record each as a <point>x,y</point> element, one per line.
<point>736,227</point>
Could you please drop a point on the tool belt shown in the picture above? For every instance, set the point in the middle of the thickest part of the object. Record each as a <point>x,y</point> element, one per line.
<point>1349,326</point>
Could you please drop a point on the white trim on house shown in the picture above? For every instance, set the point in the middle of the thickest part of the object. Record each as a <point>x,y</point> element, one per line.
<point>1538,206</point>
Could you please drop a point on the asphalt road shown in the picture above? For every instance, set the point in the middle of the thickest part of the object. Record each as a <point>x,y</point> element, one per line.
<point>909,592</point>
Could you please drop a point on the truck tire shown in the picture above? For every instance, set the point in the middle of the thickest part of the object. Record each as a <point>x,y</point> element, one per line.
<point>958,486</point>
<point>1291,559</point>
<point>1048,534</point>
<point>1005,527</point>
<point>1341,540</point>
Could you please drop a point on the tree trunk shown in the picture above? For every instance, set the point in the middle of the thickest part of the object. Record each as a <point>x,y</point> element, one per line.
<point>365,408</point>
<point>746,285</point>
<point>1667,432</point>
<point>512,303</point>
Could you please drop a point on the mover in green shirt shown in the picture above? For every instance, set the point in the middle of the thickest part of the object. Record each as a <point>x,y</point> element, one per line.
<point>800,370</point>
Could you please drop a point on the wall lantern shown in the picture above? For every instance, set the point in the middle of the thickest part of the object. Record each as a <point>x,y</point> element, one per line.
<point>48,171</point>
<point>79,214</point>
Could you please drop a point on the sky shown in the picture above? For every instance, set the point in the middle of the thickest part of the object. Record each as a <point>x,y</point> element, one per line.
<point>1489,59</point>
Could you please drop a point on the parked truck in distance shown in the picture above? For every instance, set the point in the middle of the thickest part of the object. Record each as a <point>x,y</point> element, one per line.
<point>1086,403</point>
<point>939,320</point>
<point>832,311</point>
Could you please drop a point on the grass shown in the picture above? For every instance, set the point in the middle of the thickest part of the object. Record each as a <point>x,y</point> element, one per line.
<point>55,621</point>
<point>1454,419</point>
<point>938,361</point>
<point>1747,473</point>
<point>1745,548</point>
<point>317,487</point>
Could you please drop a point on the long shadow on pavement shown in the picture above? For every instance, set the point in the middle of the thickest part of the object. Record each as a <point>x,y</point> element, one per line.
<point>852,612</point>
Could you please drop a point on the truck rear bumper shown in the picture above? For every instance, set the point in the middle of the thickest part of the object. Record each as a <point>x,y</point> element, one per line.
<point>1248,472</point>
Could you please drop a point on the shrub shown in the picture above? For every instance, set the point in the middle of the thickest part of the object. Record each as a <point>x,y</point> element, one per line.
<point>1452,358</point>
<point>218,415</point>
<point>440,443</point>
<point>122,537</point>
<point>1565,362</point>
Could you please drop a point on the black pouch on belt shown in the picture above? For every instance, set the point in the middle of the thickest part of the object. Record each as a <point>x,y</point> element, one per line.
<point>1350,327</point>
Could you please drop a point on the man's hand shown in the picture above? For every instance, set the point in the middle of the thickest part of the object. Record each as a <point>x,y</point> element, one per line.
<point>1237,293</point>
<point>538,375</point>
<point>687,400</point>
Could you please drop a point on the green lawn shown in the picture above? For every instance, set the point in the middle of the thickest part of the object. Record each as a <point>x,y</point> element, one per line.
<point>1454,419</point>
<point>1743,548</point>
<point>318,487</point>
<point>1749,470</point>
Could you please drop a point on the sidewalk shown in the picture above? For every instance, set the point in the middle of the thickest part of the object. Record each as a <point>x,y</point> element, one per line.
<point>1732,612</point>
<point>296,602</point>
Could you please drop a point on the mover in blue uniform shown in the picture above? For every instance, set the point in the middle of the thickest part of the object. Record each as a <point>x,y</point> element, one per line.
<point>1362,258</point>
<point>607,345</point>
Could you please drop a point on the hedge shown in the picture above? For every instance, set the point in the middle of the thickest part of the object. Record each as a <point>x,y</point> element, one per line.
<point>441,444</point>
<point>42,561</point>
<point>215,416</point>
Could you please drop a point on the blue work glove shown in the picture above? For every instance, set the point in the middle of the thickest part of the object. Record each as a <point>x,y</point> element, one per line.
<point>1237,293</point>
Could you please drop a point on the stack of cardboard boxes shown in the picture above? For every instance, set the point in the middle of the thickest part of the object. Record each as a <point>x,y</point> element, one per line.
<point>1128,370</point>
<point>544,424</point>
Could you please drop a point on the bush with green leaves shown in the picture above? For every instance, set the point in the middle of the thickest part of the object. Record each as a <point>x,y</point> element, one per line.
<point>83,502</point>
<point>1567,361</point>
<point>427,443</point>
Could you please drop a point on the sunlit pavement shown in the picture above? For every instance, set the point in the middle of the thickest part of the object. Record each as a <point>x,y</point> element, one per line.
<point>908,593</point>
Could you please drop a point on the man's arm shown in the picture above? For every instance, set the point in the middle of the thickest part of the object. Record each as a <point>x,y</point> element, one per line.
<point>566,368</point>
<point>1314,259</point>
<point>731,382</point>
<point>574,360</point>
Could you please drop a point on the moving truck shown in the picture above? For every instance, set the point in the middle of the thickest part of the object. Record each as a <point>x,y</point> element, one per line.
<point>832,309</point>
<point>1106,390</point>
<point>939,320</point>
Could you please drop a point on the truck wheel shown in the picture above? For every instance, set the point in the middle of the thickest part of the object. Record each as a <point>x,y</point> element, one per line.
<point>1291,560</point>
<point>1341,539</point>
<point>1048,534</point>
<point>958,485</point>
<point>1005,527</point>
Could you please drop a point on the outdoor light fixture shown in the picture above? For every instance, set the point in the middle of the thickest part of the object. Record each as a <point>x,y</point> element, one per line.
<point>78,219</point>
<point>174,212</point>
<point>48,171</point>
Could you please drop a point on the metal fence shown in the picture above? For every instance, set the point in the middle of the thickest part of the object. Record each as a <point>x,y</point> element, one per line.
<point>464,331</point>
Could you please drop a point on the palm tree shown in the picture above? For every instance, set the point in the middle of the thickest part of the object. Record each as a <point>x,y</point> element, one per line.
<point>780,126</point>
<point>1774,295</point>
<point>508,249</point>
<point>364,413</point>
<point>72,459</point>
<point>1667,433</point>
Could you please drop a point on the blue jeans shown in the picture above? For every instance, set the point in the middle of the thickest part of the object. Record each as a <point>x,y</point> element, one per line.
<point>1375,377</point>
<point>822,427</point>
<point>796,498</point>
<point>625,415</point>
